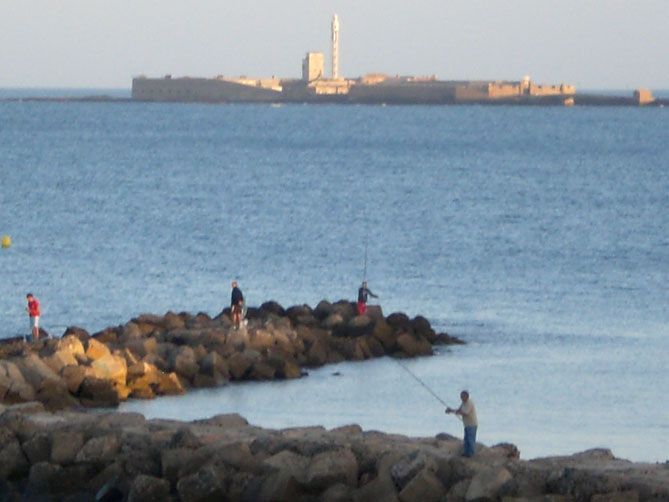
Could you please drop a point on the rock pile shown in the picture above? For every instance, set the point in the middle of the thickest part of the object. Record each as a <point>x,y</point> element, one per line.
<point>153,355</point>
<point>71,456</point>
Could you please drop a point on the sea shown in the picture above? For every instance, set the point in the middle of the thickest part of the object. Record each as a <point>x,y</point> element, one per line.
<point>537,235</point>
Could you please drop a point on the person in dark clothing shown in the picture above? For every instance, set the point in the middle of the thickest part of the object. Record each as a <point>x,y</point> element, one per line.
<point>236,304</point>
<point>362,298</point>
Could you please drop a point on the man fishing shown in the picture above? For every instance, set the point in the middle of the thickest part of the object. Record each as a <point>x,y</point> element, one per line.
<point>236,304</point>
<point>362,298</point>
<point>467,412</point>
<point>33,314</point>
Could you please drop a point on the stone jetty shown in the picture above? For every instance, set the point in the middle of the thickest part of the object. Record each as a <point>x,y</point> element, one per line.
<point>58,444</point>
<point>164,355</point>
<point>77,456</point>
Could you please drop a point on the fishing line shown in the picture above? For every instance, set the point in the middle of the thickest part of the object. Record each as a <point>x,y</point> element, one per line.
<point>364,274</point>
<point>420,381</point>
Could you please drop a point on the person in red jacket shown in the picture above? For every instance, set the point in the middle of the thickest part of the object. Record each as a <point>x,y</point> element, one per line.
<point>33,313</point>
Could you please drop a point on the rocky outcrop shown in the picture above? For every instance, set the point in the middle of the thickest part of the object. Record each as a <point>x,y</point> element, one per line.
<point>68,455</point>
<point>160,355</point>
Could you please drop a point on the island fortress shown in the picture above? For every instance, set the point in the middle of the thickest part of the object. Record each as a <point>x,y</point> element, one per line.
<point>315,87</point>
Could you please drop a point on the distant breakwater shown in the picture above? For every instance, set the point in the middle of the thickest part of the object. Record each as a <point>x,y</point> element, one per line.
<point>154,355</point>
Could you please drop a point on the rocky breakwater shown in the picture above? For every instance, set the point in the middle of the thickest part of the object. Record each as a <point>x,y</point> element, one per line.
<point>68,456</point>
<point>162,355</point>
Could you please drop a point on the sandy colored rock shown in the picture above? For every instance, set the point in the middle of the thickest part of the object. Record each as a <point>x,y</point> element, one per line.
<point>72,344</point>
<point>110,367</point>
<point>96,349</point>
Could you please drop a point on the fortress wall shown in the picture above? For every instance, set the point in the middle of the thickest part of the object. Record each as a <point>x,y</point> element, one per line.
<point>403,92</point>
<point>199,90</point>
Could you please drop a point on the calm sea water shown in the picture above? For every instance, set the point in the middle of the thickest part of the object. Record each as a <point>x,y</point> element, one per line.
<point>538,235</point>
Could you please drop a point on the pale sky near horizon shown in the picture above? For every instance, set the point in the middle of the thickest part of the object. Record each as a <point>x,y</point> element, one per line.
<point>593,44</point>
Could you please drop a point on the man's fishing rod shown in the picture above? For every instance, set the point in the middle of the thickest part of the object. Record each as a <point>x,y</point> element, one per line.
<point>420,382</point>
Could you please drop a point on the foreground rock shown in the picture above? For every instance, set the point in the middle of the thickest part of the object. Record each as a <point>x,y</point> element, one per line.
<point>79,456</point>
<point>161,355</point>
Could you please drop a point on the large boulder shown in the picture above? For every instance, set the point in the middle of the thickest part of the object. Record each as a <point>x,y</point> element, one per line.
<point>71,341</point>
<point>241,362</point>
<point>99,450</point>
<point>54,394</point>
<point>61,358</point>
<point>65,446</point>
<point>13,387</point>
<point>110,367</point>
<point>169,385</point>
<point>374,312</point>
<point>273,308</point>
<point>129,332</point>
<point>79,333</point>
<point>486,483</point>
<point>413,345</point>
<point>96,349</point>
<point>73,375</point>
<point>422,327</point>
<point>206,484</point>
<point>13,462</point>
<point>35,371</point>
<point>360,325</point>
<point>323,309</point>
<point>97,393</point>
<point>37,448</point>
<point>149,489</point>
<point>384,333</point>
<point>424,486</point>
<point>331,467</point>
<point>184,362</point>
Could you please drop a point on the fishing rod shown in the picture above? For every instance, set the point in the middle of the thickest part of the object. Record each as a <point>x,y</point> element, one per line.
<point>420,382</point>
<point>364,274</point>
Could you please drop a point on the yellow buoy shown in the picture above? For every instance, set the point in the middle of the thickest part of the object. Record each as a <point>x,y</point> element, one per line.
<point>6,241</point>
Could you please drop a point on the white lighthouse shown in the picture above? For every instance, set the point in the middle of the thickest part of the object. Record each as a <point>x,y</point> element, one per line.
<point>335,47</point>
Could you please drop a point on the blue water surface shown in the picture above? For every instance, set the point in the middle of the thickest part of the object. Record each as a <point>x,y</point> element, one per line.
<point>538,235</point>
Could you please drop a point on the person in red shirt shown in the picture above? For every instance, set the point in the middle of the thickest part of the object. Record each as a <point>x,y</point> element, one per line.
<point>33,313</point>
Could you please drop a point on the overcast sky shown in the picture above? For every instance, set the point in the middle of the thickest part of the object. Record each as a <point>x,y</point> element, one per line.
<point>594,44</point>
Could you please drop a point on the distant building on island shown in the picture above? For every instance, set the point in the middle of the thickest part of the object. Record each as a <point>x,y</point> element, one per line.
<point>315,87</point>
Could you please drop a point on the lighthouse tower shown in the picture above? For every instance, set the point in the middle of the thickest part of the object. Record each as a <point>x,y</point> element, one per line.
<point>335,47</point>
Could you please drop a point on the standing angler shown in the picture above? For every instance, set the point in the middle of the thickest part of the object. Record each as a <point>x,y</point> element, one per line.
<point>467,411</point>
<point>33,313</point>
<point>236,304</point>
<point>362,298</point>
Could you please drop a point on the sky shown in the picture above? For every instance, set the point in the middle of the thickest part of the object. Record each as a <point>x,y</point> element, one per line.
<point>593,44</point>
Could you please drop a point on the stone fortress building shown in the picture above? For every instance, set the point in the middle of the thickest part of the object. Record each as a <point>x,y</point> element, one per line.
<point>315,87</point>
